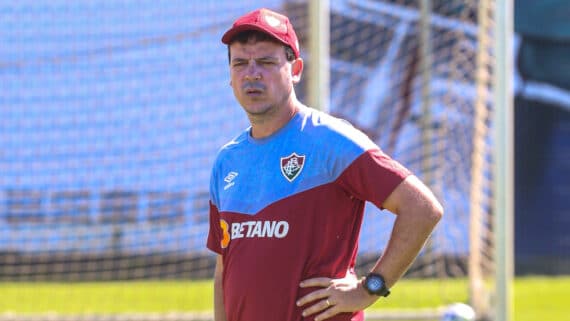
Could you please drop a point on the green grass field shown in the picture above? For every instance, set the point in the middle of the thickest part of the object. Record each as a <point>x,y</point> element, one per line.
<point>536,298</point>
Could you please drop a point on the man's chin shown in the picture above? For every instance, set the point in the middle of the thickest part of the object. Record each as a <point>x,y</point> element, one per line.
<point>257,110</point>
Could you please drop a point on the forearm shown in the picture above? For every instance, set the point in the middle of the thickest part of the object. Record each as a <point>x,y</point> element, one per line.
<point>219,310</point>
<point>418,212</point>
<point>402,249</point>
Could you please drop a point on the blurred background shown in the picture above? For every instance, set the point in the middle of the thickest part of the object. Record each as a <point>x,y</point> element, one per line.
<point>111,113</point>
<point>542,136</point>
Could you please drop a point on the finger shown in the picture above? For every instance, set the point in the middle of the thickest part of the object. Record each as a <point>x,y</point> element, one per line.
<point>317,307</point>
<point>313,296</point>
<point>324,282</point>
<point>328,313</point>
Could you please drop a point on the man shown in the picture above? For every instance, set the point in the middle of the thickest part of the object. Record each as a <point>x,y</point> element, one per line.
<point>288,195</point>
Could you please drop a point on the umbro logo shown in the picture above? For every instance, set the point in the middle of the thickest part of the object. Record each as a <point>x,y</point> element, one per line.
<point>229,179</point>
<point>292,165</point>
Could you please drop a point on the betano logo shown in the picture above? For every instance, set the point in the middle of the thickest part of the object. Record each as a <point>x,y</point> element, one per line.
<point>252,229</point>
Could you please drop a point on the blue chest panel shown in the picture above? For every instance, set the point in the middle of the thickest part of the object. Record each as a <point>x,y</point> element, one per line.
<point>311,150</point>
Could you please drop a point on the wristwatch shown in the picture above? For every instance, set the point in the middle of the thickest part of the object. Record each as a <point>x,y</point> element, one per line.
<point>374,283</point>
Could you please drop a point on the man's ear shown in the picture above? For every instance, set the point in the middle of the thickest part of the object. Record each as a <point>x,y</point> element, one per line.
<point>297,70</point>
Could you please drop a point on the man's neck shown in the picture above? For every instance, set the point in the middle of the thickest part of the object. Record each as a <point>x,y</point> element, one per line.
<point>265,125</point>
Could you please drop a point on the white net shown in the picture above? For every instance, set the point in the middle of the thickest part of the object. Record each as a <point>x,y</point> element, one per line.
<point>433,113</point>
<point>111,114</point>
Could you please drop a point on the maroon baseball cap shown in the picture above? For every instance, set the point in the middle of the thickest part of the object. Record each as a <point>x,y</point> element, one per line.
<point>272,23</point>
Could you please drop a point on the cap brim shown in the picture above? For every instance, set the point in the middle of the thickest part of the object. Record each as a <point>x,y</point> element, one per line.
<point>230,34</point>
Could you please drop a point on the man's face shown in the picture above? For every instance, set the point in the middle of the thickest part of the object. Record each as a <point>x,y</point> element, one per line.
<point>261,77</point>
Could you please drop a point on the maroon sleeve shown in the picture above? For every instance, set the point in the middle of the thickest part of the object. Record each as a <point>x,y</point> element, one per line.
<point>215,233</point>
<point>373,176</point>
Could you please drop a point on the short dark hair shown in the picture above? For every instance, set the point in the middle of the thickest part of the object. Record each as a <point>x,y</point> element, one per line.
<point>255,35</point>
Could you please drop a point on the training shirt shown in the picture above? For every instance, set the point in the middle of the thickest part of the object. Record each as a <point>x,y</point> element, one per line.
<point>289,207</point>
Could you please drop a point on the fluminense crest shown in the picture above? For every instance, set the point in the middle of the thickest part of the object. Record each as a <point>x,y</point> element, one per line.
<point>292,165</point>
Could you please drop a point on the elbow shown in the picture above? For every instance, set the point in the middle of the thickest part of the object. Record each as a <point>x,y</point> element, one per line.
<point>430,213</point>
<point>435,213</point>
<point>427,215</point>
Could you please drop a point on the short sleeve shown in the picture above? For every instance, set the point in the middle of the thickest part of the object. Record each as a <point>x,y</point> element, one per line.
<point>215,232</point>
<point>373,176</point>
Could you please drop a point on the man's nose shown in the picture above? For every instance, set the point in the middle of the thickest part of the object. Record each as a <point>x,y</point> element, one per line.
<point>252,72</point>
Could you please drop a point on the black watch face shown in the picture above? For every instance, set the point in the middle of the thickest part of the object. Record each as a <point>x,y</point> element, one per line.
<point>374,283</point>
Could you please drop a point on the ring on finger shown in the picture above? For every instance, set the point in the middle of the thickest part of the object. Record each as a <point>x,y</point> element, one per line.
<point>328,303</point>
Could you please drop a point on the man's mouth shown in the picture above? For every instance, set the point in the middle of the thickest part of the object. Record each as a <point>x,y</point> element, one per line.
<point>253,89</point>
